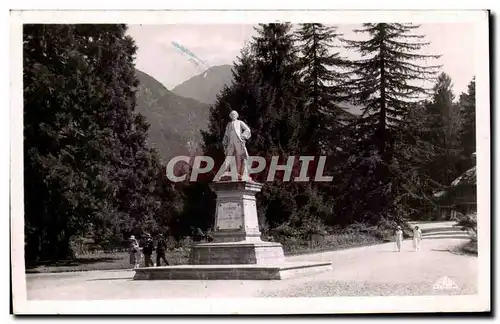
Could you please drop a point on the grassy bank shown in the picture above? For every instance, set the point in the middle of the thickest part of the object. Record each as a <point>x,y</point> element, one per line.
<point>104,261</point>
<point>120,260</point>
<point>329,243</point>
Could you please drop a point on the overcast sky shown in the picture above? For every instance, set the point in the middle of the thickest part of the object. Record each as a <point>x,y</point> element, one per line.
<point>221,44</point>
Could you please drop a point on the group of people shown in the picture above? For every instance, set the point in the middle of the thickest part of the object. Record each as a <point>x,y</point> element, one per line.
<point>136,251</point>
<point>417,238</point>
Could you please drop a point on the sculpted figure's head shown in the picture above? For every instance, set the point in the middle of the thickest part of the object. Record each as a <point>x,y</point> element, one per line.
<point>233,115</point>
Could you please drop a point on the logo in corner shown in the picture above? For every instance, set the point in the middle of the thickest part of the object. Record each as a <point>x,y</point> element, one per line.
<point>444,283</point>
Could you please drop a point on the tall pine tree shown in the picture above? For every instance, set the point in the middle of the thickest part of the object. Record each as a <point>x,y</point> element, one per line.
<point>467,131</point>
<point>287,128</point>
<point>322,80</point>
<point>279,99</point>
<point>442,119</point>
<point>384,83</point>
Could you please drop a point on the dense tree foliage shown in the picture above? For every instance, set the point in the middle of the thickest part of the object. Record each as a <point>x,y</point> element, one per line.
<point>87,167</point>
<point>384,82</point>
<point>442,116</point>
<point>467,127</point>
<point>322,79</point>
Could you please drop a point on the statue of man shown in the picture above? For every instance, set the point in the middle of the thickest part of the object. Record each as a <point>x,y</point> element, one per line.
<point>237,132</point>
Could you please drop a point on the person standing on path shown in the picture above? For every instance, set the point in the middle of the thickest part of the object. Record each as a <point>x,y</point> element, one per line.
<point>161,248</point>
<point>148,251</point>
<point>417,238</point>
<point>399,238</point>
<point>135,252</point>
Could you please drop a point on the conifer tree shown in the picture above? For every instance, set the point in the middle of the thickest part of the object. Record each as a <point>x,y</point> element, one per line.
<point>65,146</point>
<point>279,92</point>
<point>87,167</point>
<point>467,131</point>
<point>138,168</point>
<point>322,80</point>
<point>442,116</point>
<point>382,79</point>
<point>384,83</point>
<point>281,105</point>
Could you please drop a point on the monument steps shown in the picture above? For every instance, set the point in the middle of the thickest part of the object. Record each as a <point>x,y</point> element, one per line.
<point>442,229</point>
<point>446,233</point>
<point>277,271</point>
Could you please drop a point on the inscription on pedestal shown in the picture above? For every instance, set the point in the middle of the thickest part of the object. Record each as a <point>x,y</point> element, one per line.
<point>229,216</point>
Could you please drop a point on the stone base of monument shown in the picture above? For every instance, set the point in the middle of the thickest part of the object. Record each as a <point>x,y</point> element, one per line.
<point>232,271</point>
<point>237,251</point>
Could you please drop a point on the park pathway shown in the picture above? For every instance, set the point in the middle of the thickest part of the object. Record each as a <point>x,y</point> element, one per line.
<point>366,271</point>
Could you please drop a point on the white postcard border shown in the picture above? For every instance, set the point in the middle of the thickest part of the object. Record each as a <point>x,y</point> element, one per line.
<point>257,305</point>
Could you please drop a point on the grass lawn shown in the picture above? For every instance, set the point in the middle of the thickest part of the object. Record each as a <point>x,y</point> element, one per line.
<point>105,261</point>
<point>120,260</point>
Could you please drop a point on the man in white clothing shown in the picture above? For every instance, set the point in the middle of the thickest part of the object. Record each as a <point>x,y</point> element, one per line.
<point>237,132</point>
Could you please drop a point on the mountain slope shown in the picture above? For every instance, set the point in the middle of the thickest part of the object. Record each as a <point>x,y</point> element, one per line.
<point>175,121</point>
<point>204,87</point>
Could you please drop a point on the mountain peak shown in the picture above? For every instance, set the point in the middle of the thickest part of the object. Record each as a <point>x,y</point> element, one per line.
<point>205,86</point>
<point>175,122</point>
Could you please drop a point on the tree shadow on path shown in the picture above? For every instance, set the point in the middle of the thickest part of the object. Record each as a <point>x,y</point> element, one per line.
<point>442,250</point>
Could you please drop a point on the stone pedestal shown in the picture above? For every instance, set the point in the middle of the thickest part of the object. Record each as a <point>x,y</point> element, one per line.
<point>236,230</point>
<point>237,253</point>
<point>236,212</point>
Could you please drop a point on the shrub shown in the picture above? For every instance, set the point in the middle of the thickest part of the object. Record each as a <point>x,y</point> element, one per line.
<point>468,223</point>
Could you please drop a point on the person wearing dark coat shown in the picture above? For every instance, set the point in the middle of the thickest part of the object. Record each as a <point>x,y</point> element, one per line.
<point>161,249</point>
<point>148,251</point>
<point>198,235</point>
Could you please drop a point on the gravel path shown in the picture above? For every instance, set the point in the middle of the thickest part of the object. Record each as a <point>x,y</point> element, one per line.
<point>366,271</point>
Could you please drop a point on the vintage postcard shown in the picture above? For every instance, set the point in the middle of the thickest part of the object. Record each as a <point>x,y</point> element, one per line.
<point>263,162</point>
